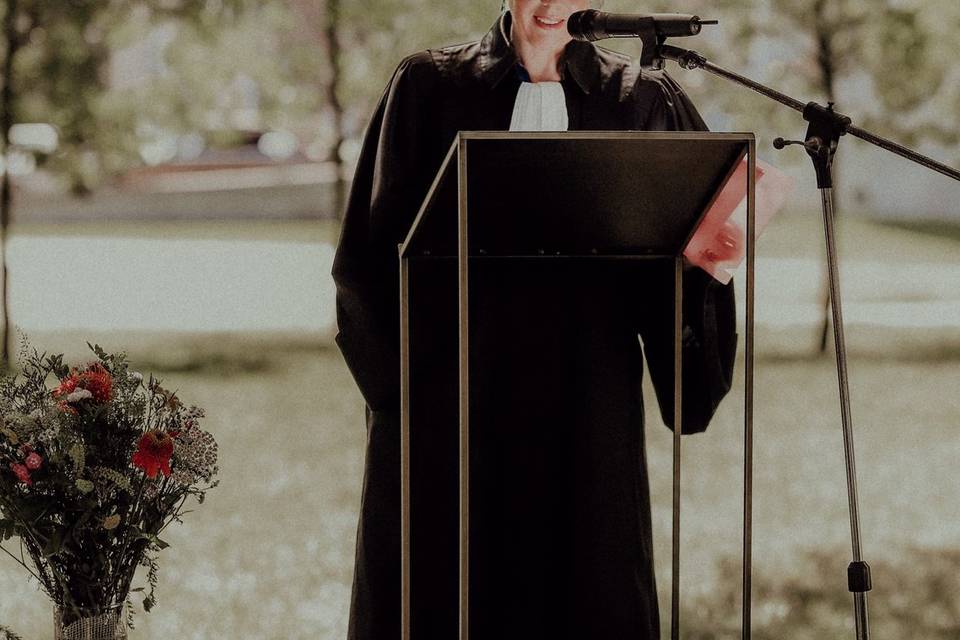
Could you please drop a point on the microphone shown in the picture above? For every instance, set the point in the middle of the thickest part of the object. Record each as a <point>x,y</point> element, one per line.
<point>596,25</point>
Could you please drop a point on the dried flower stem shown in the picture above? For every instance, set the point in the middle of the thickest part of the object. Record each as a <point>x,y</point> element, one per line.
<point>117,582</point>
<point>21,563</point>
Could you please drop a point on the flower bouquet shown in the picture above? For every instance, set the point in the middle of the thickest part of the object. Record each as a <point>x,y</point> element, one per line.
<point>92,470</point>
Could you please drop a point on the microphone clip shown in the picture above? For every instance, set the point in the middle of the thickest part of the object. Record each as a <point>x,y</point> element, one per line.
<point>826,126</point>
<point>656,52</point>
<point>651,40</point>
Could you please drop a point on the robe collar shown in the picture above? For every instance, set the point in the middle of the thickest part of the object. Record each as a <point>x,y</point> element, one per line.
<point>498,58</point>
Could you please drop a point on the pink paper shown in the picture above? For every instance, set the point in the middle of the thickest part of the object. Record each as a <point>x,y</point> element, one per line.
<point>719,244</point>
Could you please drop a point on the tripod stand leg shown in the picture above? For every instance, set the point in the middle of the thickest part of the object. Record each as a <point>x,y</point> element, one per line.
<point>859,571</point>
<point>677,431</point>
<point>748,357</point>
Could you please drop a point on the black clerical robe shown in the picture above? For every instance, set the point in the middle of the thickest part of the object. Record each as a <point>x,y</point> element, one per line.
<point>561,543</point>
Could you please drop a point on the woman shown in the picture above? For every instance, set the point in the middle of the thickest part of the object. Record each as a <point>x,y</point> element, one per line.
<point>561,546</point>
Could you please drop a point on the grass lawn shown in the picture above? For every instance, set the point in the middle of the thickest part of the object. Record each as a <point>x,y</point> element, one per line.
<point>271,553</point>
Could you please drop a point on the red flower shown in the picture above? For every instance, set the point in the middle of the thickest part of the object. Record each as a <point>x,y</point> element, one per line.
<point>66,408</point>
<point>33,461</point>
<point>68,385</point>
<point>154,453</point>
<point>23,474</point>
<point>98,381</point>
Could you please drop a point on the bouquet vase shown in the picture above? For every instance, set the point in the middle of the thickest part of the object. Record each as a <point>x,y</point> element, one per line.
<point>105,623</point>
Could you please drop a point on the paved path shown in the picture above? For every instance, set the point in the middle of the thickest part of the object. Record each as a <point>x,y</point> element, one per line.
<point>214,285</point>
<point>892,294</point>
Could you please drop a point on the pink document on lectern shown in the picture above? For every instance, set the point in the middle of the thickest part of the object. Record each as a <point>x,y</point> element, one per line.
<point>719,244</point>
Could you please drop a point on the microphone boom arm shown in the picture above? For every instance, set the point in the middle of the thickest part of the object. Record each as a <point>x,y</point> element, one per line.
<point>692,60</point>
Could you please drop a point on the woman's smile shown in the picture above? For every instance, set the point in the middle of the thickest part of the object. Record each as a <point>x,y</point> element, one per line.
<point>538,32</point>
<point>549,22</point>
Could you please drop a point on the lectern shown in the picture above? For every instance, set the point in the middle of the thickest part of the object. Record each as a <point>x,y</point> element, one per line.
<point>505,204</point>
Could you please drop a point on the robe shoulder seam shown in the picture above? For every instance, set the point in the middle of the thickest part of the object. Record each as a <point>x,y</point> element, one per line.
<point>458,63</point>
<point>417,71</point>
<point>417,62</point>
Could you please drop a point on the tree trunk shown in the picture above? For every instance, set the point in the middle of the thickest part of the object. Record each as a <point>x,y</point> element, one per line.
<point>826,63</point>
<point>11,39</point>
<point>332,42</point>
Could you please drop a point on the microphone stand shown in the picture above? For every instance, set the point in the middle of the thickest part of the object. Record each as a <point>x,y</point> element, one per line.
<point>826,127</point>
<point>811,111</point>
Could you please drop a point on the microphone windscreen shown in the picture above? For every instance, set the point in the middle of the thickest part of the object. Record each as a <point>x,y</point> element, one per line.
<point>580,24</point>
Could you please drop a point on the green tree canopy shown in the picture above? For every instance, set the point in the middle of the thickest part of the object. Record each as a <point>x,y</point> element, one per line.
<point>60,75</point>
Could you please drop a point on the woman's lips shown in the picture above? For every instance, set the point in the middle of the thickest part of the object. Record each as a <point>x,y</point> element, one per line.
<point>545,22</point>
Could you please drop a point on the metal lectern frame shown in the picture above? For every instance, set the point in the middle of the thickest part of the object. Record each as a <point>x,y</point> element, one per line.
<point>459,152</point>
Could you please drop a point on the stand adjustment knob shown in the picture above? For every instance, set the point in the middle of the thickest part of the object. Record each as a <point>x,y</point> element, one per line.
<point>858,577</point>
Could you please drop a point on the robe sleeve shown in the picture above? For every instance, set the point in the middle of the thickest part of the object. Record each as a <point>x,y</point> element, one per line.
<point>709,313</point>
<point>389,183</point>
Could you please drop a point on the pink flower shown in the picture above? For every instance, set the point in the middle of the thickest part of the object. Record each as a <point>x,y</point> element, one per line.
<point>33,461</point>
<point>23,474</point>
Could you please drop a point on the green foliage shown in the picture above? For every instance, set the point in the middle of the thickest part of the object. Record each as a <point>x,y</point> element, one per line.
<point>884,66</point>
<point>914,596</point>
<point>77,454</point>
<point>376,35</point>
<point>214,77</point>
<point>150,601</point>
<point>108,479</point>
<point>8,634</point>
<point>61,74</point>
